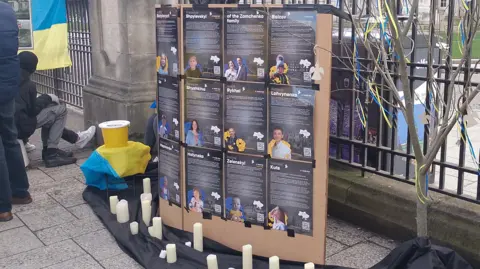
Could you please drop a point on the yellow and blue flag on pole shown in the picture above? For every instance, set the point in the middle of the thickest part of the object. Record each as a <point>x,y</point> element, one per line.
<point>50,33</point>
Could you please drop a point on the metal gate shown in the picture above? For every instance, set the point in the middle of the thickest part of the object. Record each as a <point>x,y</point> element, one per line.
<point>67,83</point>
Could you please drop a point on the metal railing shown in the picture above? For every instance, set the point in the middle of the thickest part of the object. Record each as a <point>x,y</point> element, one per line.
<point>377,148</point>
<point>67,83</point>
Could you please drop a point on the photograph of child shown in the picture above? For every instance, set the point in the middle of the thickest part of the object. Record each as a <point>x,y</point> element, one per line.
<point>278,73</point>
<point>194,137</point>
<point>279,148</point>
<point>235,214</point>
<point>164,192</point>
<point>279,218</point>
<point>163,65</point>
<point>196,203</point>
<point>193,69</point>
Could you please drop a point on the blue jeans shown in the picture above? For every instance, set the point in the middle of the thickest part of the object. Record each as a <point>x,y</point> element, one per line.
<point>13,177</point>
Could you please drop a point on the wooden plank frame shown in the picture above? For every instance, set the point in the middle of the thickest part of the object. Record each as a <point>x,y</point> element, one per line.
<point>266,243</point>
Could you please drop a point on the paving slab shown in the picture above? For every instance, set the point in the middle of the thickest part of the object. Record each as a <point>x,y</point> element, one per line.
<point>40,201</point>
<point>334,247</point>
<point>82,262</point>
<point>83,211</point>
<point>121,261</point>
<point>15,223</point>
<point>383,241</point>
<point>38,219</point>
<point>100,244</point>
<point>17,240</point>
<point>62,172</point>
<point>68,230</point>
<point>38,177</point>
<point>346,233</point>
<point>43,257</point>
<point>360,256</point>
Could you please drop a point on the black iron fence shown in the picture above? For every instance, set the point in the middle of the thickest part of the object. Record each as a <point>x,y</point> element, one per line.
<point>382,145</point>
<point>67,83</point>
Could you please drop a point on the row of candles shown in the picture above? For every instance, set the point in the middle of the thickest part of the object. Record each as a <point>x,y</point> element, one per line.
<point>120,209</point>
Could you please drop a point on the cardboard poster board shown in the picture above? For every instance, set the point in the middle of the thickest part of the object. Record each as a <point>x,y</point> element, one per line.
<point>253,154</point>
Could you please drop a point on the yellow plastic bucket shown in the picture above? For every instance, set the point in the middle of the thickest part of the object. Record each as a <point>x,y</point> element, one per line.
<point>115,133</point>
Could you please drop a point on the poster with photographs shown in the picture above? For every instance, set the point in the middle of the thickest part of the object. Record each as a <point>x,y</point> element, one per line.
<point>290,196</point>
<point>245,117</point>
<point>167,41</point>
<point>204,113</point>
<point>168,105</point>
<point>245,44</point>
<point>291,122</point>
<point>23,12</point>
<point>203,42</point>
<point>292,38</point>
<point>204,181</point>
<point>169,185</point>
<point>245,189</point>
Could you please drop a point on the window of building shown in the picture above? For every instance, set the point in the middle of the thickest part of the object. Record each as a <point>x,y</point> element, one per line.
<point>443,3</point>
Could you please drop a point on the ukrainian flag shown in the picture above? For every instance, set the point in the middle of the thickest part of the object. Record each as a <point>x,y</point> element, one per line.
<point>50,33</point>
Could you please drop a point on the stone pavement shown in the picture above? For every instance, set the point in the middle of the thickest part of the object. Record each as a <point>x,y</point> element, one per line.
<point>59,231</point>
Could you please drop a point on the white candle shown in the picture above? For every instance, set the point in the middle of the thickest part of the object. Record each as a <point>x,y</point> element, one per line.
<point>163,254</point>
<point>309,265</point>
<point>151,231</point>
<point>212,261</point>
<point>147,188</point>
<point>146,212</point>
<point>122,211</point>
<point>157,227</point>
<point>198,237</point>
<point>134,227</point>
<point>145,197</point>
<point>188,244</point>
<point>113,204</point>
<point>171,253</point>
<point>274,262</point>
<point>247,257</point>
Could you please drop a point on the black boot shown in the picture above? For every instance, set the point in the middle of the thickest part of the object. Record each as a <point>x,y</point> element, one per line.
<point>60,152</point>
<point>54,158</point>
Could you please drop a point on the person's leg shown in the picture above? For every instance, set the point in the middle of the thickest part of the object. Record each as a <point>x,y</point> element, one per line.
<point>13,177</point>
<point>150,137</point>
<point>69,136</point>
<point>52,120</point>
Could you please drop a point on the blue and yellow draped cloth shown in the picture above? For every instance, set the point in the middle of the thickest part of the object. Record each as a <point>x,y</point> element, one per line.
<point>115,164</point>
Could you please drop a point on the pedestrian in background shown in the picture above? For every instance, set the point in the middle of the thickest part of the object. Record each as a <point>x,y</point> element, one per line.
<point>13,177</point>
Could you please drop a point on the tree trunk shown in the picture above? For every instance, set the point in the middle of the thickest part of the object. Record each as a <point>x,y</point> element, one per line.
<point>422,205</point>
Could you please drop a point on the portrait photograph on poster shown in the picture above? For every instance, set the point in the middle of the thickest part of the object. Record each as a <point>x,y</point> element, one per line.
<point>245,184</point>
<point>167,41</point>
<point>204,184</point>
<point>202,36</point>
<point>292,38</point>
<point>290,196</point>
<point>168,104</point>
<point>169,185</point>
<point>245,44</point>
<point>245,117</point>
<point>204,113</point>
<point>291,122</point>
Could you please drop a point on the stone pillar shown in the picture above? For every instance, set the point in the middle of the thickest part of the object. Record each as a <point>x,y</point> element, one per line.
<point>123,61</point>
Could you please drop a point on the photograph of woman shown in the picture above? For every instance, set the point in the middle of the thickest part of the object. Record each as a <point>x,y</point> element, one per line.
<point>193,71</point>
<point>279,148</point>
<point>163,69</point>
<point>194,136</point>
<point>279,219</point>
<point>196,203</point>
<point>231,72</point>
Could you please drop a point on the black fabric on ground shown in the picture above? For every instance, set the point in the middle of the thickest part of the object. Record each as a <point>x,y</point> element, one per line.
<point>145,249</point>
<point>419,253</point>
<point>414,254</point>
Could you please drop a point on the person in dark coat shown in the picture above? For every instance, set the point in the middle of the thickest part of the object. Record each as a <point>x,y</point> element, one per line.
<point>13,177</point>
<point>46,112</point>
